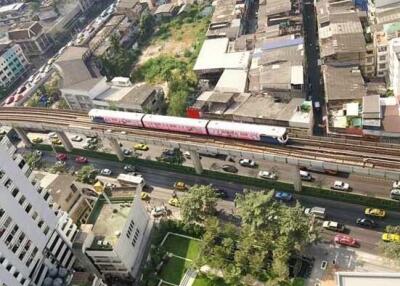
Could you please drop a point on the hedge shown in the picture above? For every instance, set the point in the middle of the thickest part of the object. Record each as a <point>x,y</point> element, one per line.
<point>250,181</point>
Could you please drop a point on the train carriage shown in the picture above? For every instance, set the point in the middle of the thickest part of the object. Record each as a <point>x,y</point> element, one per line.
<point>116,117</point>
<point>178,124</point>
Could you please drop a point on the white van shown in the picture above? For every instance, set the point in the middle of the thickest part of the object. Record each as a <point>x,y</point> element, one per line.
<point>317,212</point>
<point>395,194</point>
<point>305,176</point>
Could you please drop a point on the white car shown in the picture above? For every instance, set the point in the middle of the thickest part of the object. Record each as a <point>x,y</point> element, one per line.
<point>76,138</point>
<point>105,172</point>
<point>396,184</point>
<point>340,186</point>
<point>247,163</point>
<point>53,135</point>
<point>37,79</point>
<point>268,175</point>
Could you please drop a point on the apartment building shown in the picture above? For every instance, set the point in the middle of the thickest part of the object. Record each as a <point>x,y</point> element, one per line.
<point>32,38</point>
<point>13,13</point>
<point>394,65</point>
<point>382,53</point>
<point>13,64</point>
<point>33,237</point>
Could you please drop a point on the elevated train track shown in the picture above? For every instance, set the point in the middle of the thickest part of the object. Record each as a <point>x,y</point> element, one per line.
<point>359,153</point>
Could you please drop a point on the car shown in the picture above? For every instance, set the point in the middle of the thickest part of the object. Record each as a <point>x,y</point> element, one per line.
<point>18,97</point>
<point>127,152</point>
<point>340,186</point>
<point>129,168</point>
<point>52,135</point>
<point>21,89</point>
<point>396,184</point>
<point>56,141</point>
<point>375,212</point>
<point>333,225</point>
<point>159,211</point>
<point>180,186</point>
<point>47,69</point>
<point>395,194</point>
<point>283,196</point>
<point>37,79</point>
<point>391,237</point>
<point>60,163</point>
<point>62,157</point>
<point>76,138</point>
<point>346,240</point>
<point>92,140</point>
<point>366,222</point>
<point>37,140</point>
<point>106,172</point>
<point>81,160</point>
<point>229,168</point>
<point>10,99</point>
<point>30,79</point>
<point>222,194</point>
<point>144,196</point>
<point>305,176</point>
<point>141,147</point>
<point>89,147</point>
<point>268,175</point>
<point>247,163</point>
<point>38,153</point>
<point>317,212</point>
<point>42,69</point>
<point>174,202</point>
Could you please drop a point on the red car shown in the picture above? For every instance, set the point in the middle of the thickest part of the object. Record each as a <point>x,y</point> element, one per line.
<point>81,159</point>
<point>10,100</point>
<point>61,157</point>
<point>346,240</point>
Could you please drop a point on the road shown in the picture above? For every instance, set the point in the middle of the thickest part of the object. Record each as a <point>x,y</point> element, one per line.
<point>162,183</point>
<point>313,70</point>
<point>370,186</point>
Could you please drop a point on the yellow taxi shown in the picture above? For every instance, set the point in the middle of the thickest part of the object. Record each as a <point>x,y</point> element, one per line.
<point>391,237</point>
<point>375,212</point>
<point>180,186</point>
<point>174,202</point>
<point>144,196</point>
<point>141,147</point>
<point>56,142</point>
<point>37,140</point>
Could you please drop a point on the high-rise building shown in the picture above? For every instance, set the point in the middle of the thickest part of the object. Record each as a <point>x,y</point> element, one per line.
<point>13,64</point>
<point>33,237</point>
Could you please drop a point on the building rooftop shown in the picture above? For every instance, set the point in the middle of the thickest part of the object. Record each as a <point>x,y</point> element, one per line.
<point>371,104</point>
<point>109,223</point>
<point>343,83</point>
<point>24,31</point>
<point>127,4</point>
<point>11,7</point>
<point>232,81</point>
<point>367,279</point>
<point>165,8</point>
<point>278,7</point>
<point>391,120</point>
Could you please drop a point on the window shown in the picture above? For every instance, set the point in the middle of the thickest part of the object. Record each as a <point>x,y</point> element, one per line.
<point>46,196</point>
<point>46,230</point>
<point>382,58</point>
<point>73,188</point>
<point>1,212</point>
<point>34,215</point>
<point>8,183</point>
<point>382,66</point>
<point>21,200</point>
<point>21,164</point>
<point>15,192</point>
<point>40,223</point>
<point>28,208</point>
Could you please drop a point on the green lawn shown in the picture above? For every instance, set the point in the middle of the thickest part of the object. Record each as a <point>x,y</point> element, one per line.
<point>299,282</point>
<point>204,281</point>
<point>174,270</point>
<point>182,246</point>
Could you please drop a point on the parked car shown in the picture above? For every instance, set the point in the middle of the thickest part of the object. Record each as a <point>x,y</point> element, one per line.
<point>76,138</point>
<point>283,196</point>
<point>230,168</point>
<point>106,172</point>
<point>317,212</point>
<point>247,163</point>
<point>395,194</point>
<point>56,141</point>
<point>53,135</point>
<point>37,140</point>
<point>174,202</point>
<point>374,212</point>
<point>129,168</point>
<point>10,99</point>
<point>346,240</point>
<point>305,176</point>
<point>391,237</point>
<point>366,222</point>
<point>81,160</point>
<point>62,157</point>
<point>38,153</point>
<point>396,184</point>
<point>222,194</point>
<point>60,164</point>
<point>341,186</point>
<point>21,89</point>
<point>333,225</point>
<point>145,196</point>
<point>180,186</point>
<point>141,147</point>
<point>159,211</point>
<point>127,152</point>
<point>268,175</point>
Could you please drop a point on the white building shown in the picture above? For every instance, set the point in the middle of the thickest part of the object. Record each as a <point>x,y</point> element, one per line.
<point>13,64</point>
<point>33,237</point>
<point>394,65</point>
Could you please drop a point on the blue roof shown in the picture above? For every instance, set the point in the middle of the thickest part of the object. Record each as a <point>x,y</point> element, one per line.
<point>276,44</point>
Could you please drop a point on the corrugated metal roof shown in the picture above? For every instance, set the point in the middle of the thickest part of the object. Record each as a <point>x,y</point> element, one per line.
<point>297,76</point>
<point>276,44</point>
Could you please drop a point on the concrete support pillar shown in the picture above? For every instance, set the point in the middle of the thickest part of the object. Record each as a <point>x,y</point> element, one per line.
<point>296,179</point>
<point>65,141</point>
<point>196,161</point>
<point>22,134</point>
<point>116,148</point>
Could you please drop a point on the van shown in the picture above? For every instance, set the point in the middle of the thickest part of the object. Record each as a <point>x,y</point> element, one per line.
<point>305,176</point>
<point>395,194</point>
<point>317,212</point>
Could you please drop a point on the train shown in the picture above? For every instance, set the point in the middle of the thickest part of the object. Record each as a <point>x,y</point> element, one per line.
<point>226,129</point>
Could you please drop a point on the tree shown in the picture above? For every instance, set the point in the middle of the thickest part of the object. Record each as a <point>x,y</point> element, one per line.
<point>86,174</point>
<point>146,26</point>
<point>33,160</point>
<point>391,249</point>
<point>198,204</point>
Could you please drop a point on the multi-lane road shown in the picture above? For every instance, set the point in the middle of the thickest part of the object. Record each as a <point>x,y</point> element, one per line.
<point>162,183</point>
